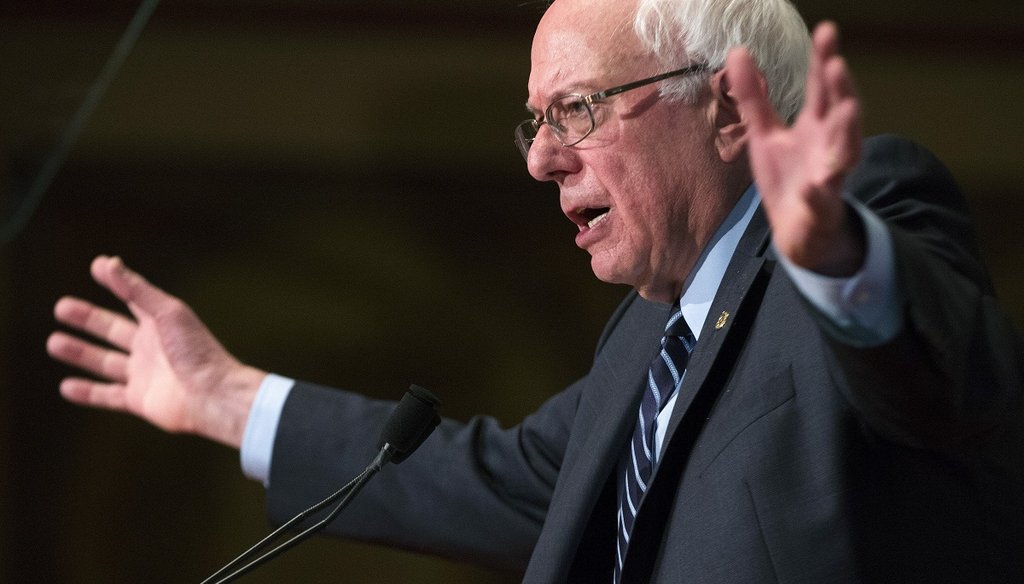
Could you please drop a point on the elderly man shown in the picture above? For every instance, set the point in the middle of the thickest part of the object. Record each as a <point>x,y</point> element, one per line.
<point>835,396</point>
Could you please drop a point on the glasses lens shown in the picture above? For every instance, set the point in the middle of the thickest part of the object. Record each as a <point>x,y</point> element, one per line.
<point>525,133</point>
<point>571,118</point>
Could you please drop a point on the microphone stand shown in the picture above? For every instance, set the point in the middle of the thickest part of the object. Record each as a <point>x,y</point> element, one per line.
<point>346,493</point>
<point>412,420</point>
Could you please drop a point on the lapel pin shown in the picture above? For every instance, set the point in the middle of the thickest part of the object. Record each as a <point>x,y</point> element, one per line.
<point>722,319</point>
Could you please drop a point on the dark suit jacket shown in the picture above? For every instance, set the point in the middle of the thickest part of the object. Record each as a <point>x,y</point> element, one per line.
<point>790,456</point>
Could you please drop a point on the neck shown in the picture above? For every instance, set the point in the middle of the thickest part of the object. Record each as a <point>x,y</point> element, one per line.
<point>704,221</point>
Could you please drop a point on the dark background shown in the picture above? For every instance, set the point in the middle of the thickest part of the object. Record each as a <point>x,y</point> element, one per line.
<point>326,181</point>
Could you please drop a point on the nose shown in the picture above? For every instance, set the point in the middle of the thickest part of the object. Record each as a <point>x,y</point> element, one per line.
<point>547,159</point>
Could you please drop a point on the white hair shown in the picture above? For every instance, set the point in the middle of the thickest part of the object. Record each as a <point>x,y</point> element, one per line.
<point>691,31</point>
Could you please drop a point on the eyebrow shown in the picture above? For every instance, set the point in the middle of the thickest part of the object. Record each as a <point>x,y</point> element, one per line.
<point>572,89</point>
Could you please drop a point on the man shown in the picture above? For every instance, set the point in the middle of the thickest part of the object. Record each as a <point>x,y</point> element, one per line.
<point>846,402</point>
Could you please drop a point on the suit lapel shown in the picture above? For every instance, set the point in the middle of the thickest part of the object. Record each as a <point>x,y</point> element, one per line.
<point>739,295</point>
<point>746,264</point>
<point>605,418</point>
<point>615,397</point>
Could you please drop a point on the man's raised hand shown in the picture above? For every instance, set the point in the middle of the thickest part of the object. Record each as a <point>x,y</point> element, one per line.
<point>800,169</point>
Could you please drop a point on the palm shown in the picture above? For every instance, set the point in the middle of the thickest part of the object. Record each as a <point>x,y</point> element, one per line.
<point>162,376</point>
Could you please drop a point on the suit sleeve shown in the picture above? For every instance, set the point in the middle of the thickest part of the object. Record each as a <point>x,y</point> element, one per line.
<point>952,377</point>
<point>473,491</point>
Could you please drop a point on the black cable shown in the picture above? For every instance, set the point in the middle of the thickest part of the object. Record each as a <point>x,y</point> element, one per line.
<point>19,218</point>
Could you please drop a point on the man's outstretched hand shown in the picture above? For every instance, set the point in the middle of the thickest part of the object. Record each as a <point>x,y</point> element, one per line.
<point>163,365</point>
<point>800,169</point>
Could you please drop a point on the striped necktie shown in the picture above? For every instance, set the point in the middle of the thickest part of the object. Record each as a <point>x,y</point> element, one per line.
<point>662,380</point>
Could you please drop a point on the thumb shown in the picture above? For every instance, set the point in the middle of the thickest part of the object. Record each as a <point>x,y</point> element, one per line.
<point>128,286</point>
<point>750,90</point>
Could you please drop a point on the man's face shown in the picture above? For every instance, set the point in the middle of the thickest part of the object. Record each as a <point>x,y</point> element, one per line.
<point>638,186</point>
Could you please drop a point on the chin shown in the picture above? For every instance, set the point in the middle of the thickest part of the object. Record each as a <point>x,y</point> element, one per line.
<point>652,290</point>
<point>610,273</point>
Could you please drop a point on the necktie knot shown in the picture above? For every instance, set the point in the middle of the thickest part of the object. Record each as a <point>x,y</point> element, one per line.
<point>677,327</point>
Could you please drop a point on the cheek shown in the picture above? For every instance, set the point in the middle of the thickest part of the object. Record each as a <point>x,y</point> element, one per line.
<point>629,186</point>
<point>648,205</point>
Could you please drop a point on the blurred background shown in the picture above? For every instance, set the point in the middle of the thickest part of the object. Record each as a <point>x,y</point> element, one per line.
<point>319,179</point>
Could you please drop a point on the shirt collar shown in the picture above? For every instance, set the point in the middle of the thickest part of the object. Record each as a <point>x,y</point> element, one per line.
<point>704,280</point>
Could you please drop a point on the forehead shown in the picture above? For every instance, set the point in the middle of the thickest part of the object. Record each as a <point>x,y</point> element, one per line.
<point>581,45</point>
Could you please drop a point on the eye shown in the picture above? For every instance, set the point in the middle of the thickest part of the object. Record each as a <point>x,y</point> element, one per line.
<point>570,115</point>
<point>575,108</point>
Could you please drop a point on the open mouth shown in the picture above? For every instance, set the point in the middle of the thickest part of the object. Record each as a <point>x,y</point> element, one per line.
<point>593,216</point>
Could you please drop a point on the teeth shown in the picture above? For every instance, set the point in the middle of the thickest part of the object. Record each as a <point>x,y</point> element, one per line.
<point>596,220</point>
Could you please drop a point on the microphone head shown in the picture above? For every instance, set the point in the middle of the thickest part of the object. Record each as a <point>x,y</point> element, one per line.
<point>414,418</point>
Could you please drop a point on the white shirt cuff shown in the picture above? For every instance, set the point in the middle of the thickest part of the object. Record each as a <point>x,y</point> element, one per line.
<point>864,309</point>
<point>261,428</point>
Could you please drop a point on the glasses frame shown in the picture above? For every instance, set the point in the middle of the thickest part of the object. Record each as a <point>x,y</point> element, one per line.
<point>524,143</point>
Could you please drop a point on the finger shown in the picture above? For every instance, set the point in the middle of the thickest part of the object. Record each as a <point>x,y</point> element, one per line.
<point>814,93</point>
<point>843,130</point>
<point>826,38</point>
<point>842,123</point>
<point>839,81</point>
<point>102,362</point>
<point>825,47</point>
<point>86,392</point>
<point>129,286</point>
<point>116,329</point>
<point>750,91</point>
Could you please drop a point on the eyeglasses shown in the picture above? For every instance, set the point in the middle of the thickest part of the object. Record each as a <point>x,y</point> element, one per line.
<point>571,117</point>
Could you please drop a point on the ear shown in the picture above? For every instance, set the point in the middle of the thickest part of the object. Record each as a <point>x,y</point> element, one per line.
<point>730,129</point>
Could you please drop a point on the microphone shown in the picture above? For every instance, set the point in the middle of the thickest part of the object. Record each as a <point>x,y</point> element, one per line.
<point>413,419</point>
